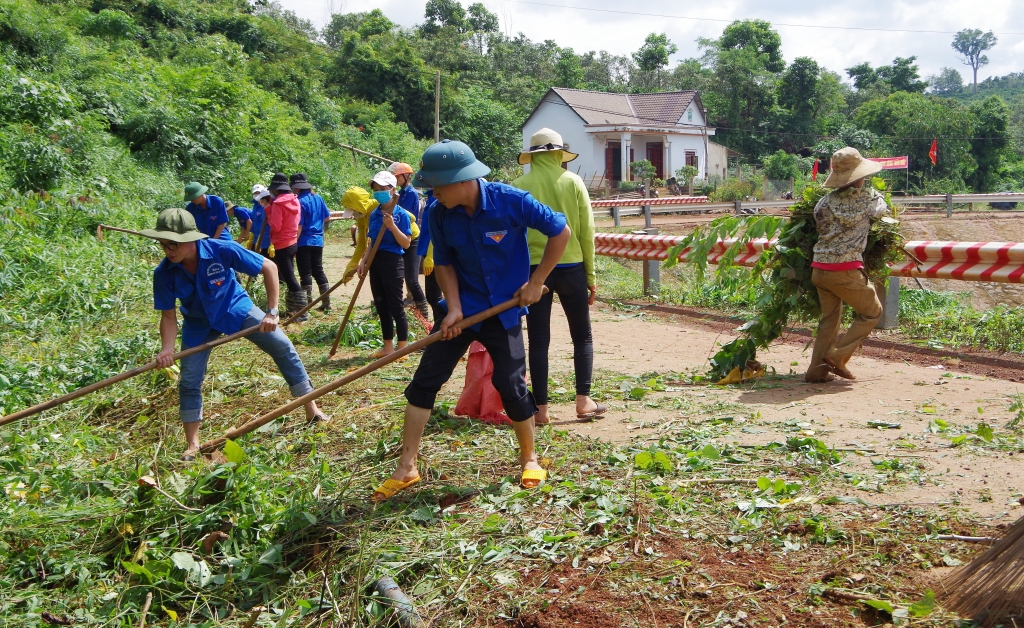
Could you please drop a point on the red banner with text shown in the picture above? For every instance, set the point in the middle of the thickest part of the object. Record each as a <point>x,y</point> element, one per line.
<point>892,163</point>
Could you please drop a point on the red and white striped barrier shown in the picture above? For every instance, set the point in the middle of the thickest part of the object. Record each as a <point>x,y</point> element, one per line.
<point>653,202</point>
<point>1000,262</point>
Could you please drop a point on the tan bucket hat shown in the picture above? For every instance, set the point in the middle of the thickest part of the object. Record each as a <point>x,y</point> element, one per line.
<point>848,165</point>
<point>543,141</point>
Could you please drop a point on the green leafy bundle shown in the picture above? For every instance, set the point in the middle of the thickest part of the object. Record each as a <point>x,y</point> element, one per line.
<point>782,275</point>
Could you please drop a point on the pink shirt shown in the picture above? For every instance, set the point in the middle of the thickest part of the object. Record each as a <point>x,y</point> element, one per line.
<point>284,214</point>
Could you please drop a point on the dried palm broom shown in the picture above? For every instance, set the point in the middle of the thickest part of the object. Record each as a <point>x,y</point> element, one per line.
<point>990,589</point>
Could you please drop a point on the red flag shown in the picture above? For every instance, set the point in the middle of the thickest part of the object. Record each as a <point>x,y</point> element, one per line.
<point>814,171</point>
<point>933,152</point>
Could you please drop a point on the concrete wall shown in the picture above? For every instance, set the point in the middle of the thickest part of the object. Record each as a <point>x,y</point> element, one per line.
<point>718,160</point>
<point>562,119</point>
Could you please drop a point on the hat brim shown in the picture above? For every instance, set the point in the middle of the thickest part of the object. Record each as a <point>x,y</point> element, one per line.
<point>841,179</point>
<point>280,187</point>
<point>438,178</point>
<point>301,185</point>
<point>174,236</point>
<point>202,190</point>
<point>526,157</point>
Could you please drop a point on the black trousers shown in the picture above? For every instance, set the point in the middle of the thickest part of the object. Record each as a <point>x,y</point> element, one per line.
<point>570,284</point>
<point>412,272</point>
<point>433,290</point>
<point>285,260</point>
<point>387,274</point>
<point>311,265</point>
<point>509,378</point>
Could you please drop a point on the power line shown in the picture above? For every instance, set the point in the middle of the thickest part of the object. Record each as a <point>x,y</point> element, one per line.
<point>720,20</point>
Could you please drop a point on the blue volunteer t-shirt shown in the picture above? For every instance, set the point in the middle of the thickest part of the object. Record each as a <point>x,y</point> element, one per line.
<point>314,214</point>
<point>210,217</point>
<point>388,242</point>
<point>212,298</point>
<point>242,216</point>
<point>258,215</point>
<point>424,240</point>
<point>409,199</point>
<point>489,249</point>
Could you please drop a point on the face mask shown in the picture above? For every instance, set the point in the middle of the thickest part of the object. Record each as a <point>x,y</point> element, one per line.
<point>382,196</point>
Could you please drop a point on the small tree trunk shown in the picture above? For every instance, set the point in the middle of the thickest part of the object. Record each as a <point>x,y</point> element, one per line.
<point>975,79</point>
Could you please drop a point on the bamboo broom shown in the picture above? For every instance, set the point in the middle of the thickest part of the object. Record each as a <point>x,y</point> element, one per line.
<point>81,392</point>
<point>990,589</point>
<point>355,295</point>
<point>354,375</point>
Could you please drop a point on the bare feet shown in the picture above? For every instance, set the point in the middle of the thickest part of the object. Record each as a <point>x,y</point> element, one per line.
<point>587,408</point>
<point>841,371</point>
<point>542,417</point>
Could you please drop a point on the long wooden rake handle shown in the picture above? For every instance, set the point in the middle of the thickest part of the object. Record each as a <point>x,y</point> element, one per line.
<point>101,227</point>
<point>81,392</point>
<point>354,375</point>
<point>355,295</point>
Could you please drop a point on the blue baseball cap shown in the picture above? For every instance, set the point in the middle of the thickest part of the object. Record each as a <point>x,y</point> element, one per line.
<point>448,162</point>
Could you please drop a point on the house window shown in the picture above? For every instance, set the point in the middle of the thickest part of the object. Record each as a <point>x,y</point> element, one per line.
<point>689,115</point>
<point>691,159</point>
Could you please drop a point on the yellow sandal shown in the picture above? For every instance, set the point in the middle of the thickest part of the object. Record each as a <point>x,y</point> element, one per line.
<point>390,487</point>
<point>532,478</point>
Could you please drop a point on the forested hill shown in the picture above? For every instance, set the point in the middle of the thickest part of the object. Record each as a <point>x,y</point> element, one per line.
<point>137,96</point>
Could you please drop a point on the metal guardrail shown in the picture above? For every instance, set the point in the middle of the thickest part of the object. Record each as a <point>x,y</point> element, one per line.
<point>949,200</point>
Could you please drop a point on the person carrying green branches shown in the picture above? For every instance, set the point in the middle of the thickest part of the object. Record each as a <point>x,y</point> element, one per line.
<point>197,273</point>
<point>481,259</point>
<point>844,218</point>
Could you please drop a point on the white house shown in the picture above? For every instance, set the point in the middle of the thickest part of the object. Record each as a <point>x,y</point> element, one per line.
<point>610,131</point>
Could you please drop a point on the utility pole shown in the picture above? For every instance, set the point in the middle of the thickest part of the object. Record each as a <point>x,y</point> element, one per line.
<point>437,107</point>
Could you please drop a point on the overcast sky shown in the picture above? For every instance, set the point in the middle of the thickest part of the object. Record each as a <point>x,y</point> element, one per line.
<point>621,32</point>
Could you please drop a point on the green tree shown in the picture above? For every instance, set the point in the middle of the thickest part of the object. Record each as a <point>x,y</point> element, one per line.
<point>863,75</point>
<point>480,20</point>
<point>489,127</point>
<point>568,71</point>
<point>781,166</point>
<point>443,13</point>
<point>907,122</point>
<point>756,36</point>
<point>651,59</point>
<point>972,44</point>
<point>990,143</point>
<point>902,75</point>
<point>745,63</point>
<point>947,82</point>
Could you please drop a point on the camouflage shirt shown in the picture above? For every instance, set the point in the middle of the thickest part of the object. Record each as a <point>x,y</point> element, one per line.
<point>844,219</point>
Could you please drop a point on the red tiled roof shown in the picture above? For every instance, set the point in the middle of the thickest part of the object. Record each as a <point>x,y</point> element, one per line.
<point>642,109</point>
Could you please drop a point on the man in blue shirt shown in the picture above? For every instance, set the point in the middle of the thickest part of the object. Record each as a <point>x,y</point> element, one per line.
<point>197,272</point>
<point>208,211</point>
<point>244,220</point>
<point>481,259</point>
<point>310,254</point>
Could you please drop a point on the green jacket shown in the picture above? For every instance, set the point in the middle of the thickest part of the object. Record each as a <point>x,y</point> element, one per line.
<point>564,192</point>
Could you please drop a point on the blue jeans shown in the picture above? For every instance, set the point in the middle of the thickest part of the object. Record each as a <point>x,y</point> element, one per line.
<point>275,344</point>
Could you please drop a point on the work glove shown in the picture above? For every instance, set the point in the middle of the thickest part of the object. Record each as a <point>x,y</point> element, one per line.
<point>428,260</point>
<point>270,251</point>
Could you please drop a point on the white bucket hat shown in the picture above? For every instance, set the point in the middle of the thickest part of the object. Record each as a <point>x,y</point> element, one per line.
<point>848,165</point>
<point>385,178</point>
<point>543,141</point>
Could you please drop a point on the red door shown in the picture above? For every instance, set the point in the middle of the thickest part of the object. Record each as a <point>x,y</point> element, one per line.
<point>613,161</point>
<point>656,155</point>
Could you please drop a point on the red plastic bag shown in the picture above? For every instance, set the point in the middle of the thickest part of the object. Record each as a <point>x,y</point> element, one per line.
<point>479,399</point>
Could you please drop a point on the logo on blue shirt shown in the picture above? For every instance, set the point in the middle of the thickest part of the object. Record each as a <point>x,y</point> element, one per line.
<point>215,273</point>
<point>496,235</point>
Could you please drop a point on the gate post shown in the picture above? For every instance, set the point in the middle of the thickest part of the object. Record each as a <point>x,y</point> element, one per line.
<point>890,298</point>
<point>652,269</point>
<point>949,205</point>
<point>615,216</point>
